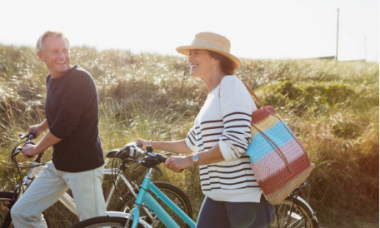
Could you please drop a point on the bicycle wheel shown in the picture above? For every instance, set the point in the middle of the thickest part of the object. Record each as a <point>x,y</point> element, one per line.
<point>5,205</point>
<point>104,221</point>
<point>292,213</point>
<point>174,193</point>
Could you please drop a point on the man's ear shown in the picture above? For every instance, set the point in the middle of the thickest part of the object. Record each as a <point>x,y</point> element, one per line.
<point>41,56</point>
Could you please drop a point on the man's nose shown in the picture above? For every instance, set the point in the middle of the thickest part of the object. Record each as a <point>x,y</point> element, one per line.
<point>61,55</point>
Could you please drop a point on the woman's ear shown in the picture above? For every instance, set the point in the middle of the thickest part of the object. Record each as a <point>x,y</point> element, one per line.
<point>215,61</point>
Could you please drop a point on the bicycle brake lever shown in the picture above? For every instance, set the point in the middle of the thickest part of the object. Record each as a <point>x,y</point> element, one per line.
<point>150,162</point>
<point>159,170</point>
<point>17,151</point>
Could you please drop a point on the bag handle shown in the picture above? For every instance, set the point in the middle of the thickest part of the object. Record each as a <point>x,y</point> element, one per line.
<point>253,94</point>
<point>274,146</point>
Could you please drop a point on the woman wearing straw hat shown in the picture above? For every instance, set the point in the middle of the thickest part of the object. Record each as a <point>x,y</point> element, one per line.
<point>219,139</point>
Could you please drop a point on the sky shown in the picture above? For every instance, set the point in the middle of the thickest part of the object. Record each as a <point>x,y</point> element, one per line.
<point>257,29</point>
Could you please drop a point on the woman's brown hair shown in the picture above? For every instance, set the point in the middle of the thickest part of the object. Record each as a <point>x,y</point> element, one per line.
<point>226,65</point>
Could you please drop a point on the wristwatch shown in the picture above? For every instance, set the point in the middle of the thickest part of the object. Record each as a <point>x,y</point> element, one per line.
<point>195,159</point>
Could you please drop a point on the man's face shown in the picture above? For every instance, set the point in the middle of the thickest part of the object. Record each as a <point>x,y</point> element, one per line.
<point>56,56</point>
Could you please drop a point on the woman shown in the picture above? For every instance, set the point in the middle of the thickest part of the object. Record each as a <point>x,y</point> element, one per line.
<point>219,138</point>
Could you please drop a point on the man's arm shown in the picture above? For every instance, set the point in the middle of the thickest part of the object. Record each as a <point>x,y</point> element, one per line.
<point>49,140</point>
<point>178,147</point>
<point>39,128</point>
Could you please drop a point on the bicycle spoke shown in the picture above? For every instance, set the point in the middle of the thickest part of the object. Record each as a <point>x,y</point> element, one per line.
<point>292,214</point>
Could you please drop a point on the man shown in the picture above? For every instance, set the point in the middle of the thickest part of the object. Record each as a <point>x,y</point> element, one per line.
<point>71,110</point>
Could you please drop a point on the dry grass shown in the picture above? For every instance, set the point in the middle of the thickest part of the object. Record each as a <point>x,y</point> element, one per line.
<point>332,106</point>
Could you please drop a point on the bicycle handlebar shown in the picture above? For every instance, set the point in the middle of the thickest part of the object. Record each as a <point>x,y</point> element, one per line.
<point>131,151</point>
<point>29,137</point>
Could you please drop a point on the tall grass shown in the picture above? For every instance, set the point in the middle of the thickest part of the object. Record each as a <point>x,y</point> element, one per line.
<point>332,106</point>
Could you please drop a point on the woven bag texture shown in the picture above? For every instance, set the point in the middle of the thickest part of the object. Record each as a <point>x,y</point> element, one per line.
<point>278,160</point>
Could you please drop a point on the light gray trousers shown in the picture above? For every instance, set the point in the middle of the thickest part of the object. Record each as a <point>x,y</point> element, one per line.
<point>50,185</point>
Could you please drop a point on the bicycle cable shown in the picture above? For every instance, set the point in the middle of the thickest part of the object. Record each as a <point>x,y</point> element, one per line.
<point>13,157</point>
<point>114,174</point>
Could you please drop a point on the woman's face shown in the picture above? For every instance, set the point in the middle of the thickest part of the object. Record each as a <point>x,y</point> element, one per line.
<point>201,63</point>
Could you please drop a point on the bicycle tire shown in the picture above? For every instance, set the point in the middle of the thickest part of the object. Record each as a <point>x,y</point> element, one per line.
<point>6,202</point>
<point>301,215</point>
<point>173,192</point>
<point>104,221</point>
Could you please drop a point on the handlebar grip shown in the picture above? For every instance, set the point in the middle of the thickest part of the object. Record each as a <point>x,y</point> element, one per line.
<point>32,135</point>
<point>161,158</point>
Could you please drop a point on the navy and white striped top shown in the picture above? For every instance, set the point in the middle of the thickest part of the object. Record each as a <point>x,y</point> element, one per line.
<point>225,119</point>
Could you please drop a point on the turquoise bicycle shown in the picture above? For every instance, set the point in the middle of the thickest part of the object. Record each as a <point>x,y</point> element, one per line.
<point>148,196</point>
<point>293,212</point>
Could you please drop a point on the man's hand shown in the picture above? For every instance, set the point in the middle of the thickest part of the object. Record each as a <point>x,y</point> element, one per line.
<point>29,151</point>
<point>38,129</point>
<point>179,163</point>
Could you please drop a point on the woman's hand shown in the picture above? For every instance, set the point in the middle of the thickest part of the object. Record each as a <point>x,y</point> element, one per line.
<point>144,143</point>
<point>179,163</point>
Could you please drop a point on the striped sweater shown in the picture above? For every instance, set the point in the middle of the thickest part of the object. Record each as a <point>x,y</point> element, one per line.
<point>225,119</point>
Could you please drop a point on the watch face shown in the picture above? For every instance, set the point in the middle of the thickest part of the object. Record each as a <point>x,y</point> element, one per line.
<point>195,158</point>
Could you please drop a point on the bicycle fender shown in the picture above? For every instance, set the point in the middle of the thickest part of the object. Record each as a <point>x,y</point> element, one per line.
<point>300,199</point>
<point>126,215</point>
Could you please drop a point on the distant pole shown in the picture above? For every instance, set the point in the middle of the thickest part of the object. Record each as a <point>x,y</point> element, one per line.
<point>365,48</point>
<point>337,35</point>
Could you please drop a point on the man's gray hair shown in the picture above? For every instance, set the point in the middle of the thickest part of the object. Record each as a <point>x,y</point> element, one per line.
<point>40,41</point>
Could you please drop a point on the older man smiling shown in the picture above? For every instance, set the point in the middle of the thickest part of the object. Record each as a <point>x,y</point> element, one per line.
<point>71,110</point>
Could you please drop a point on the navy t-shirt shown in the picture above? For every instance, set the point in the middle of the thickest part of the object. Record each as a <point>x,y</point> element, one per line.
<point>72,114</point>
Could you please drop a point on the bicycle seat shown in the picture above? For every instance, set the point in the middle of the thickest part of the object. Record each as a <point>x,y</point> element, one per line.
<point>117,153</point>
<point>111,153</point>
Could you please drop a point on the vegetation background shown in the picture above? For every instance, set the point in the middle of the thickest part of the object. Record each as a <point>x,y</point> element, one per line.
<point>332,106</point>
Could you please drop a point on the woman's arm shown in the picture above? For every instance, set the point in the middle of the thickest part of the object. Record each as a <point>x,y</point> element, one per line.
<point>178,163</point>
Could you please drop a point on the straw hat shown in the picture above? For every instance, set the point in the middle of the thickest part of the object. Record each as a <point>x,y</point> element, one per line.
<point>213,42</point>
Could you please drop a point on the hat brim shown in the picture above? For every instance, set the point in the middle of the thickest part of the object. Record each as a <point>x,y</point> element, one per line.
<point>185,50</point>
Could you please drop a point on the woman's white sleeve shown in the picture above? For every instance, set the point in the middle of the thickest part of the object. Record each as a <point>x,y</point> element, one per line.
<point>237,107</point>
<point>191,140</point>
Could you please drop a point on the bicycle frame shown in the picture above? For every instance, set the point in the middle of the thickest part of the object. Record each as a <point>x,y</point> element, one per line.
<point>67,200</point>
<point>69,203</point>
<point>144,197</point>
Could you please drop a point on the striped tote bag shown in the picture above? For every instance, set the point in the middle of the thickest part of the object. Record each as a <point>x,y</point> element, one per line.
<point>278,160</point>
